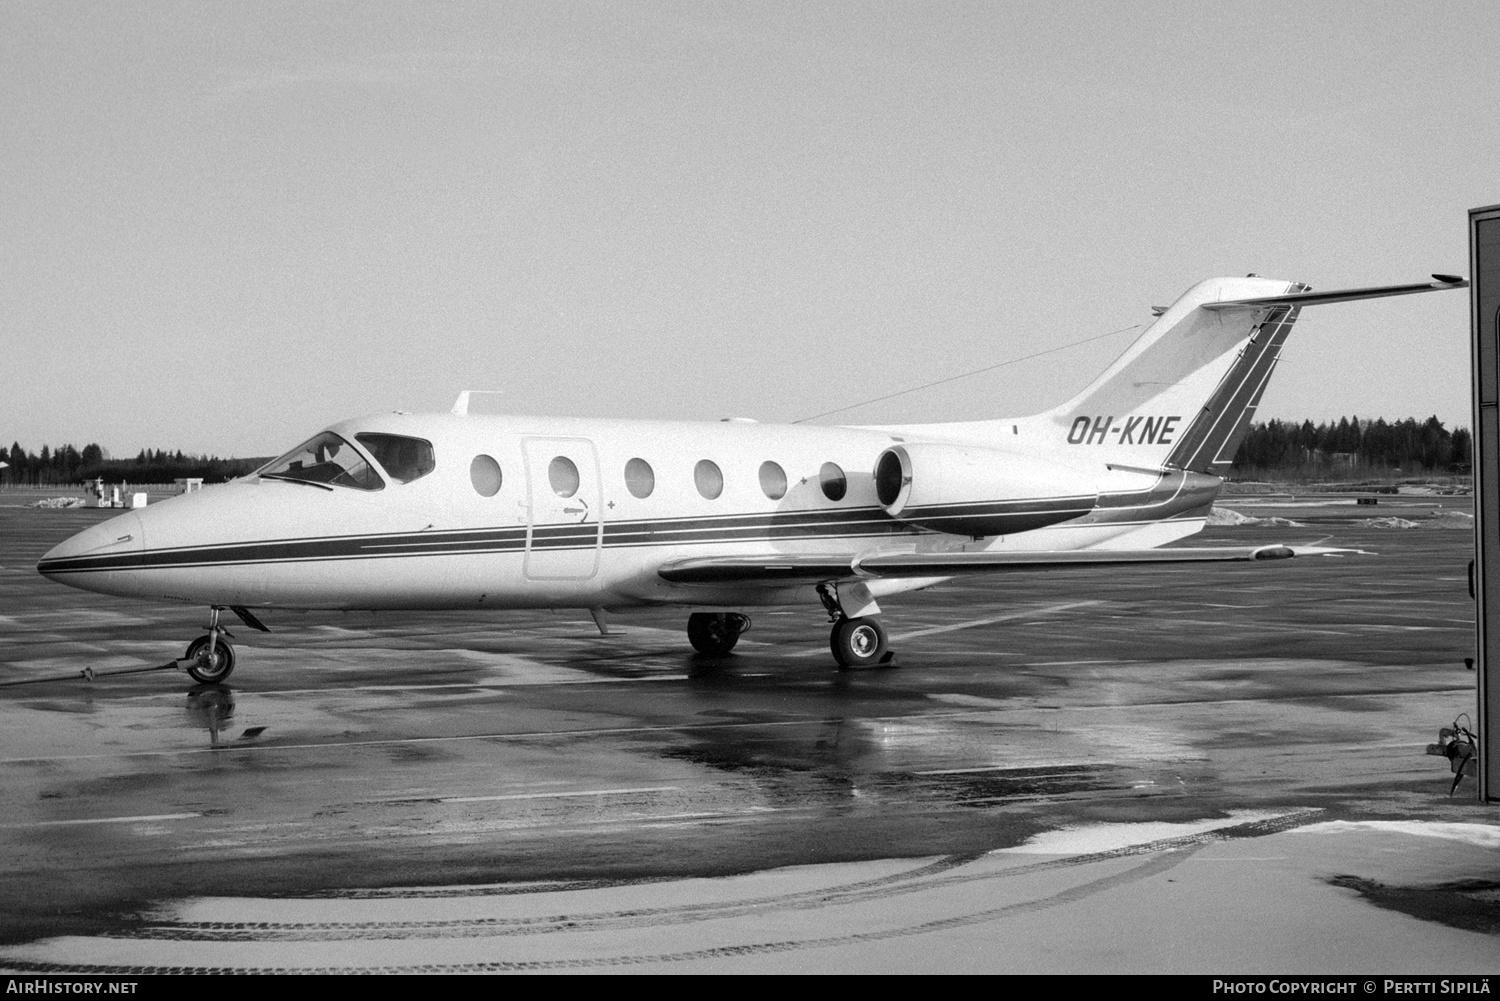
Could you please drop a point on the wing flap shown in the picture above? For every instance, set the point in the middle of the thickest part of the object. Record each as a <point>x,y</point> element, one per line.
<point>791,570</point>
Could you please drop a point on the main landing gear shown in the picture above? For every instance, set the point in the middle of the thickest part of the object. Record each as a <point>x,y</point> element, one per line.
<point>857,640</point>
<point>716,633</point>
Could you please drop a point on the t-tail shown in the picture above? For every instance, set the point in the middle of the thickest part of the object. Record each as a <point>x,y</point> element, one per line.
<point>1183,395</point>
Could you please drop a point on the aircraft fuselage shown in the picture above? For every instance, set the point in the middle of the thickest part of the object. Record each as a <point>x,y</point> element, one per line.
<point>492,526</point>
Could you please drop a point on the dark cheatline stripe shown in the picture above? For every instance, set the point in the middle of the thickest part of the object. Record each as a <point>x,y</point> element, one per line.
<point>847,523</point>
<point>1221,458</point>
<point>287,550</point>
<point>1177,487</point>
<point>1167,485</point>
<point>1225,419</point>
<point>874,523</point>
<point>999,518</point>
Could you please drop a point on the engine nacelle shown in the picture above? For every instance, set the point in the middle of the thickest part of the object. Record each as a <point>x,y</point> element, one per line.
<point>968,490</point>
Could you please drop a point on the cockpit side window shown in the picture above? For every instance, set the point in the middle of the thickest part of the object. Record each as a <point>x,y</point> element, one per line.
<point>326,460</point>
<point>404,459</point>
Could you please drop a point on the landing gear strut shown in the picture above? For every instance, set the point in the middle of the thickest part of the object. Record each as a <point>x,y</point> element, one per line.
<point>716,633</point>
<point>212,655</point>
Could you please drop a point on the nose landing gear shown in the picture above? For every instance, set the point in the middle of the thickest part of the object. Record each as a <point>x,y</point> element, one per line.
<point>212,655</point>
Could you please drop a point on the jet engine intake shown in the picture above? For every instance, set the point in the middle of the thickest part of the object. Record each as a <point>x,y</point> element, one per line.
<point>974,491</point>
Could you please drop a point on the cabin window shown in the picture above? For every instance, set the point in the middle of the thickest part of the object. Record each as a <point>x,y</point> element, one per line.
<point>484,473</point>
<point>708,478</point>
<point>404,459</point>
<point>773,480</point>
<point>563,476</point>
<point>639,479</point>
<point>832,479</point>
<point>327,460</point>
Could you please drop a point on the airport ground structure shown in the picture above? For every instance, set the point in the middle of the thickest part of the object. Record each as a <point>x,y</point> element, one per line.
<point>1181,770</point>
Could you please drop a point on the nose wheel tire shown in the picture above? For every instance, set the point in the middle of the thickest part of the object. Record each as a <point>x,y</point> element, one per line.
<point>715,633</point>
<point>210,668</point>
<point>858,642</point>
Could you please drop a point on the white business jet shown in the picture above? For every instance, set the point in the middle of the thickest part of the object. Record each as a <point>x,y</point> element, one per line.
<point>462,511</point>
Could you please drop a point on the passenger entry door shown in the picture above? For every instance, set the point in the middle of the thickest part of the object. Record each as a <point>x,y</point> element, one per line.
<point>564,529</point>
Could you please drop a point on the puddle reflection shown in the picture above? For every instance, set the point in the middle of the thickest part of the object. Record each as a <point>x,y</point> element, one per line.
<point>212,708</point>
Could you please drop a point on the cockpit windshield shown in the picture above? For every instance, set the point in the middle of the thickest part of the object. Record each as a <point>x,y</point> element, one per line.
<point>326,460</point>
<point>404,459</point>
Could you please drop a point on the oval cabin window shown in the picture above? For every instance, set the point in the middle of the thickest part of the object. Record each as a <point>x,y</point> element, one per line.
<point>832,479</point>
<point>773,480</point>
<point>563,476</point>
<point>709,480</point>
<point>484,473</point>
<point>639,479</point>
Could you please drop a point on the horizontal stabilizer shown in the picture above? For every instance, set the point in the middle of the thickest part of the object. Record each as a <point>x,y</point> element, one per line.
<point>1439,284</point>
<point>786,569</point>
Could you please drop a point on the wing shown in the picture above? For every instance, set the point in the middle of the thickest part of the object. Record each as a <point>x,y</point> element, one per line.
<point>789,569</point>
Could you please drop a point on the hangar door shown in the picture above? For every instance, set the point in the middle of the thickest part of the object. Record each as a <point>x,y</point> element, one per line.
<point>1484,318</point>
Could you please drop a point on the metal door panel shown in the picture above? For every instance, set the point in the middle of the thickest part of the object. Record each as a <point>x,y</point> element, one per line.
<point>563,533</point>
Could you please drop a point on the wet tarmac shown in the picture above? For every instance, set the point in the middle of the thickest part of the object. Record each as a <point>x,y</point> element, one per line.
<point>515,791</point>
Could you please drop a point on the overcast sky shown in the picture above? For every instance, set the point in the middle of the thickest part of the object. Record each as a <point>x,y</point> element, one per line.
<point>224,226</point>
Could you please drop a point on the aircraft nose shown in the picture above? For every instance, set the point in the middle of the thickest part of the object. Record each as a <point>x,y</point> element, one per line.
<point>95,548</point>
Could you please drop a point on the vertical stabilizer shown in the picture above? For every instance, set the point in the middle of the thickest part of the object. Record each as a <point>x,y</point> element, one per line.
<point>1182,396</point>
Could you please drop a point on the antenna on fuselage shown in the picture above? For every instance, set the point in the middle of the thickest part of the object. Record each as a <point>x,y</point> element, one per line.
<point>461,405</point>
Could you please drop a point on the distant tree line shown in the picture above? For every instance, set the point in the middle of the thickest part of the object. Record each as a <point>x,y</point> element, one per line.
<point>1409,446</point>
<point>1270,447</point>
<point>67,466</point>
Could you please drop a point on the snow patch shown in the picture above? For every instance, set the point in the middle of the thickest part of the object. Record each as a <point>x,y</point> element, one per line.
<point>1480,835</point>
<point>1222,517</point>
<point>1387,523</point>
<point>1449,518</point>
<point>1109,837</point>
<point>58,502</point>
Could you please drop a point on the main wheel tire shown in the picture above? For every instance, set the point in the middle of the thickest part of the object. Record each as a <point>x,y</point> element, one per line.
<point>214,668</point>
<point>715,633</point>
<point>857,642</point>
